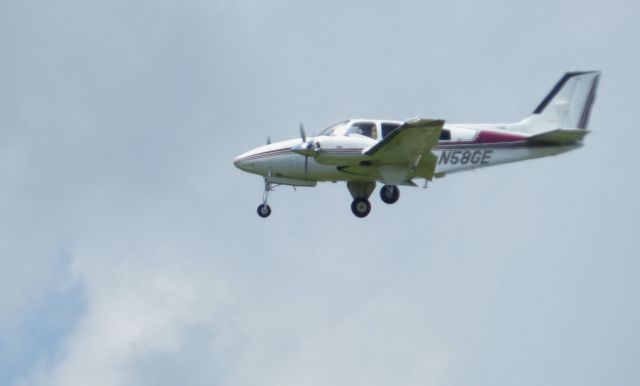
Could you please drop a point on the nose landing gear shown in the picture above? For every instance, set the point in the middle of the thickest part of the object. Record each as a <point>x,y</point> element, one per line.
<point>264,210</point>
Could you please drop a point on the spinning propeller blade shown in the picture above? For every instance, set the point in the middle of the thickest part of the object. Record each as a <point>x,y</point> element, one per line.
<point>307,149</point>
<point>302,134</point>
<point>306,157</point>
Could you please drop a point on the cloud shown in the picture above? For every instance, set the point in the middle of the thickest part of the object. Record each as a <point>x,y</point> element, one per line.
<point>119,122</point>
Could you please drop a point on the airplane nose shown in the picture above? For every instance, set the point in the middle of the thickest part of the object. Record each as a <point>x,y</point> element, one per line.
<point>237,162</point>
<point>250,161</point>
<point>244,162</point>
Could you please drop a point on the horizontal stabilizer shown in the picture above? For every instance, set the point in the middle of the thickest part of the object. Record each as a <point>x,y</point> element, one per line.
<point>559,136</point>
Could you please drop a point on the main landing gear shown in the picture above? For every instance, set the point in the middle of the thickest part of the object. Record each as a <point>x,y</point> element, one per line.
<point>361,191</point>
<point>389,194</point>
<point>361,207</point>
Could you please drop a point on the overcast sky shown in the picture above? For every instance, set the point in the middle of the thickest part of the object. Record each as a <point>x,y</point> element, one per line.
<point>131,253</point>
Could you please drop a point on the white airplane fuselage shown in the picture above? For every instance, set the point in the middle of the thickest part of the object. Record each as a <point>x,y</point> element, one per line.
<point>363,152</point>
<point>468,149</point>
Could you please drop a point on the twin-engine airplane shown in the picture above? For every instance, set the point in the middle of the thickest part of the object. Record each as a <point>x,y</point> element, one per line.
<point>363,151</point>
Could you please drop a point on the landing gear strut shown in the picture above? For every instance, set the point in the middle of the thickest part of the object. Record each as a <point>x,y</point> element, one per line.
<point>264,210</point>
<point>389,194</point>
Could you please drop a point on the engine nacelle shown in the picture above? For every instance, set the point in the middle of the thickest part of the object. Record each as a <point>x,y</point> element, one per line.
<point>341,150</point>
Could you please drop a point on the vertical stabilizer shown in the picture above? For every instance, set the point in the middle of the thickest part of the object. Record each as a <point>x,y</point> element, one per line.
<point>568,105</point>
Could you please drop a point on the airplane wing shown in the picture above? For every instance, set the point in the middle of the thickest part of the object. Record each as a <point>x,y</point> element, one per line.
<point>407,150</point>
<point>406,143</point>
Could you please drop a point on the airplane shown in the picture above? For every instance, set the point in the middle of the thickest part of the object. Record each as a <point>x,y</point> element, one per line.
<point>363,152</point>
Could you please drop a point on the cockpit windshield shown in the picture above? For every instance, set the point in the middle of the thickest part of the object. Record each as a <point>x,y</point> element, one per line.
<point>331,130</point>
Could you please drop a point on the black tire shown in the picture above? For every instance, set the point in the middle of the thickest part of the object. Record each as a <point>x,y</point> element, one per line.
<point>389,194</point>
<point>361,207</point>
<point>264,210</point>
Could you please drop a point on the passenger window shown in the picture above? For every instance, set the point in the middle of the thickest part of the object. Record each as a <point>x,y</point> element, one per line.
<point>387,128</point>
<point>368,129</point>
<point>445,135</point>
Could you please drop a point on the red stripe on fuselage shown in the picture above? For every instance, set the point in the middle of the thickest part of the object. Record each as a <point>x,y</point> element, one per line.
<point>497,137</point>
<point>486,138</point>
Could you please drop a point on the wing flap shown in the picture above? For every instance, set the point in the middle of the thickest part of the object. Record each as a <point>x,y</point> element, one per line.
<point>427,166</point>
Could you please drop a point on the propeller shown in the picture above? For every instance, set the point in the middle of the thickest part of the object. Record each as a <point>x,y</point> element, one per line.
<point>302,134</point>
<point>305,148</point>
<point>308,145</point>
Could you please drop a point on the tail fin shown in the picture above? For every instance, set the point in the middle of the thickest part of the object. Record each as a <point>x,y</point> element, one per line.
<point>568,105</point>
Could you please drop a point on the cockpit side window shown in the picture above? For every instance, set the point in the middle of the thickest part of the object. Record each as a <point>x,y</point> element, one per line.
<point>445,135</point>
<point>331,130</point>
<point>387,128</point>
<point>368,129</point>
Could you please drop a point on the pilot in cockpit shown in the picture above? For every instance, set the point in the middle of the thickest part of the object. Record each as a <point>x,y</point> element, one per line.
<point>367,129</point>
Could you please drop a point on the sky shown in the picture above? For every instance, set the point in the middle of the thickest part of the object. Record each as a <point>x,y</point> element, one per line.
<point>131,253</point>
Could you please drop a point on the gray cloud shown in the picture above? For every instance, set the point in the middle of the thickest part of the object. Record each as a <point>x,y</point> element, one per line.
<point>118,124</point>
